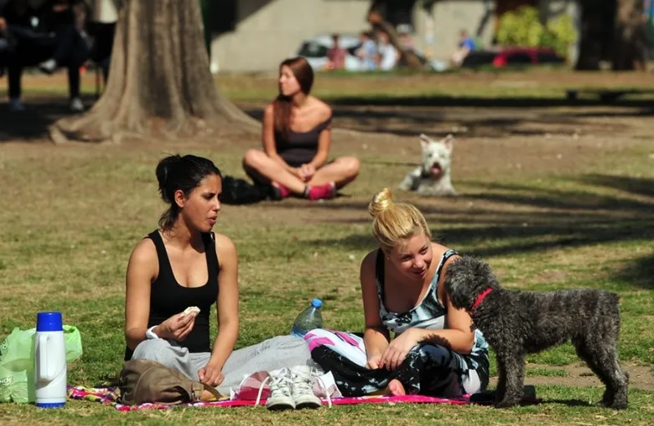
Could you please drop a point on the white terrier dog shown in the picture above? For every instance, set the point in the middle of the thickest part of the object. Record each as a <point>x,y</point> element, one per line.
<point>433,177</point>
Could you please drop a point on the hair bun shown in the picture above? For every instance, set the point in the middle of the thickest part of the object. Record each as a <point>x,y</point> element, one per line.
<point>163,172</point>
<point>381,201</point>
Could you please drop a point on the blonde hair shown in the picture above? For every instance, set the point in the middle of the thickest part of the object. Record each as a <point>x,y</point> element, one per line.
<point>394,223</point>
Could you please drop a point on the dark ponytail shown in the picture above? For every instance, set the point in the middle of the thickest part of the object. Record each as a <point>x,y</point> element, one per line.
<point>180,173</point>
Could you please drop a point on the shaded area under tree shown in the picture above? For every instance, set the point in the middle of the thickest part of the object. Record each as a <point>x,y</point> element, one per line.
<point>159,81</point>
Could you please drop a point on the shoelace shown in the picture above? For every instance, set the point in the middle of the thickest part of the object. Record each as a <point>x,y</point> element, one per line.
<point>277,382</point>
<point>324,387</point>
<point>303,384</point>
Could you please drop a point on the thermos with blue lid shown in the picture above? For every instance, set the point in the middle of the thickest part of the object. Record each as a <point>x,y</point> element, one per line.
<point>50,361</point>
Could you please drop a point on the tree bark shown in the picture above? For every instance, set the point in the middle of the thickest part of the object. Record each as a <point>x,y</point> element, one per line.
<point>629,36</point>
<point>593,39</point>
<point>159,80</point>
<point>376,19</point>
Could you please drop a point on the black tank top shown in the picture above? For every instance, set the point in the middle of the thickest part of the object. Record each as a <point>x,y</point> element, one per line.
<point>300,147</point>
<point>168,298</point>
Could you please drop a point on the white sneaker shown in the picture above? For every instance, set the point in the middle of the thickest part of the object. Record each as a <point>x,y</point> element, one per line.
<point>16,105</point>
<point>303,395</point>
<point>280,391</point>
<point>48,66</point>
<point>76,105</point>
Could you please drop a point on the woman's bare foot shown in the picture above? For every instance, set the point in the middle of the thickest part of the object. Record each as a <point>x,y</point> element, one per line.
<point>394,388</point>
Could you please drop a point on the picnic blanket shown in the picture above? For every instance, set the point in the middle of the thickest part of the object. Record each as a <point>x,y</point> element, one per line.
<point>107,396</point>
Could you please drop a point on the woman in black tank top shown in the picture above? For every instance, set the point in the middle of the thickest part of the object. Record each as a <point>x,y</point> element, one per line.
<point>176,267</point>
<point>296,136</point>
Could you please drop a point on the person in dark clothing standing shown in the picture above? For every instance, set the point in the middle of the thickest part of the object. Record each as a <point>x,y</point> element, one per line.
<point>47,37</point>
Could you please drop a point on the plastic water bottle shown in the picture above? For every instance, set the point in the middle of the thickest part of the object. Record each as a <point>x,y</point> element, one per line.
<point>50,361</point>
<point>308,319</point>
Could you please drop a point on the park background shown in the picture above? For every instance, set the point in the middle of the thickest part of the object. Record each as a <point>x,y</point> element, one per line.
<point>553,192</point>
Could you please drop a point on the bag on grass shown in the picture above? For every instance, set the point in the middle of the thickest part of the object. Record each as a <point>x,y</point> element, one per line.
<point>17,362</point>
<point>143,381</point>
<point>239,191</point>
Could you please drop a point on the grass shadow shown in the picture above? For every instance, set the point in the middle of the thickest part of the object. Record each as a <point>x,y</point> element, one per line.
<point>487,102</point>
<point>569,221</point>
<point>32,124</point>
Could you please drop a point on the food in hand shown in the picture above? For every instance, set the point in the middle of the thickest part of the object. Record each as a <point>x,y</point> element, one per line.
<point>190,309</point>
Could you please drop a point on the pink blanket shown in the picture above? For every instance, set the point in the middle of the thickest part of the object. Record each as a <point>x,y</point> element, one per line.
<point>105,395</point>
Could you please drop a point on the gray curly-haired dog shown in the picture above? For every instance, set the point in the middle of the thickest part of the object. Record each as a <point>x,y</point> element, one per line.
<point>517,323</point>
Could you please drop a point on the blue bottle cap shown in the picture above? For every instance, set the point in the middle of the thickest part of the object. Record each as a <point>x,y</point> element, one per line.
<point>316,303</point>
<point>50,404</point>
<point>49,321</point>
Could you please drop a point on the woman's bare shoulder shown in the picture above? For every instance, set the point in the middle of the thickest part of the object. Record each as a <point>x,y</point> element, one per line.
<point>322,109</point>
<point>225,247</point>
<point>369,261</point>
<point>144,257</point>
<point>145,250</point>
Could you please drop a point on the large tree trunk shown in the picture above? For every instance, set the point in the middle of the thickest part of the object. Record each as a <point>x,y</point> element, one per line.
<point>159,81</point>
<point>596,33</point>
<point>629,36</point>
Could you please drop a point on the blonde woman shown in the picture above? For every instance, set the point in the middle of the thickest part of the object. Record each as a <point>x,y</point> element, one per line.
<point>435,350</point>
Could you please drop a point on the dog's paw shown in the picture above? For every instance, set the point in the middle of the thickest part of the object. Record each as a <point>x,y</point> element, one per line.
<point>614,404</point>
<point>619,405</point>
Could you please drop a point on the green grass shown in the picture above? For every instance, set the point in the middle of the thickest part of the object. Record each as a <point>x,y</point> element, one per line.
<point>71,216</point>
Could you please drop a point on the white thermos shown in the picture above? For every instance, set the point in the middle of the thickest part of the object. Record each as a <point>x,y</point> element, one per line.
<point>50,361</point>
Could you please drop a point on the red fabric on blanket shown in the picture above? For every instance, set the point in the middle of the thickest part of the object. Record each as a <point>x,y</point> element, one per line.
<point>105,395</point>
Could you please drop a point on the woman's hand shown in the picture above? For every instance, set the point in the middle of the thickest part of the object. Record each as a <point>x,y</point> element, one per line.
<point>176,327</point>
<point>307,171</point>
<point>374,361</point>
<point>398,349</point>
<point>210,375</point>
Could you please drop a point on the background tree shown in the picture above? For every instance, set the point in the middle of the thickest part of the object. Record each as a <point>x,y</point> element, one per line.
<point>629,36</point>
<point>613,31</point>
<point>159,80</point>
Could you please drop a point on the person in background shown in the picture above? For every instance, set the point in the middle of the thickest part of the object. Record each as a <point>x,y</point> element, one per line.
<point>388,55</point>
<point>466,45</point>
<point>336,55</point>
<point>297,138</point>
<point>4,45</point>
<point>103,27</point>
<point>46,37</point>
<point>18,20</point>
<point>367,52</point>
<point>405,37</point>
<point>65,19</point>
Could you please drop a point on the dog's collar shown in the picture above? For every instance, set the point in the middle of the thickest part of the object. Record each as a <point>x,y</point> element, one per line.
<point>479,299</point>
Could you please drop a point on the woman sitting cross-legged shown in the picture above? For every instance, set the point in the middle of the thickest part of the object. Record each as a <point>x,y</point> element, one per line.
<point>296,141</point>
<point>435,351</point>
<point>184,264</point>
